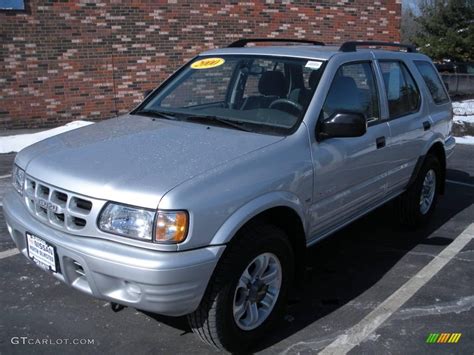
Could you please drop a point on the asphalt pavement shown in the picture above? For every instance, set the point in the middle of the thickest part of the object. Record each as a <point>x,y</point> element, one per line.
<point>372,288</point>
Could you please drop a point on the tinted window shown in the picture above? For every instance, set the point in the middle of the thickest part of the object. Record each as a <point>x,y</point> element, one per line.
<point>248,91</point>
<point>353,89</point>
<point>402,93</point>
<point>432,81</point>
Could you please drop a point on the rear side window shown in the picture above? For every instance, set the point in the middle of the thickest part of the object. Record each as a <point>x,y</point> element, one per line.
<point>353,90</point>
<point>402,93</point>
<point>432,81</point>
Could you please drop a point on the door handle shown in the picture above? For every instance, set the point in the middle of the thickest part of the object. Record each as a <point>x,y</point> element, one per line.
<point>426,125</point>
<point>380,141</point>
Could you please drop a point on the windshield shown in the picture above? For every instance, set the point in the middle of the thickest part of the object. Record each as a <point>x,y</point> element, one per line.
<point>256,93</point>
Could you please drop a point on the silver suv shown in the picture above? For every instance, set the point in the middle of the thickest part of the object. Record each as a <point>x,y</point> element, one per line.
<point>202,200</point>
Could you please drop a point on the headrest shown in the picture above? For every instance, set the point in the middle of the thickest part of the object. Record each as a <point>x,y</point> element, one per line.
<point>272,83</point>
<point>314,78</point>
<point>344,95</point>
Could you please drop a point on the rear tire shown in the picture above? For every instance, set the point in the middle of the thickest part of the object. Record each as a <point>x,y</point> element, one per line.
<point>218,321</point>
<point>417,204</point>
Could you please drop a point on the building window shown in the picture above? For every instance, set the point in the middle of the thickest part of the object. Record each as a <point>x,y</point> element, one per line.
<point>12,5</point>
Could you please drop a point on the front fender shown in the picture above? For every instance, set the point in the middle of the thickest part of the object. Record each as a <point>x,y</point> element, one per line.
<point>253,208</point>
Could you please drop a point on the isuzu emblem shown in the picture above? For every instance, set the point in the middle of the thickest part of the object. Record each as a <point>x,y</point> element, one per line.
<point>47,205</point>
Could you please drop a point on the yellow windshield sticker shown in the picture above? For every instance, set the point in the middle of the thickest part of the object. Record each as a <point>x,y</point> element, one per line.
<point>207,63</point>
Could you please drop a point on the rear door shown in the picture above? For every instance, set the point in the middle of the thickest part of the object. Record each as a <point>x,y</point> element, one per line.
<point>440,107</point>
<point>350,173</point>
<point>408,120</point>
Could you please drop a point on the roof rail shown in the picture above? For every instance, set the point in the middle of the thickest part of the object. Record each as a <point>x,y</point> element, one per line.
<point>244,41</point>
<point>351,46</point>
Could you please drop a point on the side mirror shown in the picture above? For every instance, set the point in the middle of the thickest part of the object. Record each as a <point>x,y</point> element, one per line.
<point>146,93</point>
<point>342,124</point>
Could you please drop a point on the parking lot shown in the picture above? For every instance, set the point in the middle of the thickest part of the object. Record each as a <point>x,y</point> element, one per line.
<point>374,287</point>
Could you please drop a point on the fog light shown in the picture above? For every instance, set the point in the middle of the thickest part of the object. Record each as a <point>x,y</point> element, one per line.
<point>133,287</point>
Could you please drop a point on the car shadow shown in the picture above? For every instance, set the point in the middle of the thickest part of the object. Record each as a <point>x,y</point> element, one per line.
<point>354,259</point>
<point>459,176</point>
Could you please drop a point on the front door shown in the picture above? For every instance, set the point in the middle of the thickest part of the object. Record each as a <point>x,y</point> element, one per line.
<point>350,173</point>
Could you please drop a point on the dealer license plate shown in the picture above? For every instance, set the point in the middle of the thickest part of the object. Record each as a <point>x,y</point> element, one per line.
<point>41,252</point>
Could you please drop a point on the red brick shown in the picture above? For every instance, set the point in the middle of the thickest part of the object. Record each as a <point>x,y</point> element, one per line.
<point>66,60</point>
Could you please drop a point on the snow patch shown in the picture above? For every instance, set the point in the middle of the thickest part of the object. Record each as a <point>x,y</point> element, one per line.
<point>461,119</point>
<point>17,142</point>
<point>373,337</point>
<point>463,108</point>
<point>465,140</point>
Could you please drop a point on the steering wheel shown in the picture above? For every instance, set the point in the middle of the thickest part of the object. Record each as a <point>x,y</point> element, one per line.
<point>287,106</point>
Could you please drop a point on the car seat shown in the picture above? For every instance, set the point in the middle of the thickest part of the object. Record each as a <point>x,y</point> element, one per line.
<point>271,86</point>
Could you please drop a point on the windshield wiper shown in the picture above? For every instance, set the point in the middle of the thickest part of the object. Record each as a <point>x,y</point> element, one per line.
<point>157,113</point>
<point>225,121</point>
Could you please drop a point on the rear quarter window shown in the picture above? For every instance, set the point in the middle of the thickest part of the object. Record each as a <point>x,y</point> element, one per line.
<point>431,78</point>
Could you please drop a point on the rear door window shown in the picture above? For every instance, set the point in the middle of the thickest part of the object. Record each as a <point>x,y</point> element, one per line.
<point>431,78</point>
<point>402,93</point>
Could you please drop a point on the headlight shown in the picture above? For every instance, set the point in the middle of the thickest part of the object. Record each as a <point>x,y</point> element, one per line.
<point>127,221</point>
<point>171,226</point>
<point>18,179</point>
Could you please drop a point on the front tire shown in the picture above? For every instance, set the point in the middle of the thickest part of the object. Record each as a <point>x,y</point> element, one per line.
<point>247,292</point>
<point>417,204</point>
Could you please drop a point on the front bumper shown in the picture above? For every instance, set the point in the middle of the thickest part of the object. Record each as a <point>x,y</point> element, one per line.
<point>169,283</point>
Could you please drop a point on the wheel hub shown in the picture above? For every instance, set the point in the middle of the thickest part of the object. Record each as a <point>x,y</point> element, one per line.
<point>257,291</point>
<point>428,191</point>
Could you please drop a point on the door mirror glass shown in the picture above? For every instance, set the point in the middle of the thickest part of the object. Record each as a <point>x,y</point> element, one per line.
<point>343,124</point>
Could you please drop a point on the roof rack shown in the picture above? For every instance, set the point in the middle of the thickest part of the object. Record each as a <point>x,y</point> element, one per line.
<point>351,46</point>
<point>244,41</point>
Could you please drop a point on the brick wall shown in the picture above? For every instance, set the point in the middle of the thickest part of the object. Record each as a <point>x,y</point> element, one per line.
<point>92,59</point>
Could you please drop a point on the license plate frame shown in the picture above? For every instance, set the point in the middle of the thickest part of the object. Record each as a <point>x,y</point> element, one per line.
<point>42,252</point>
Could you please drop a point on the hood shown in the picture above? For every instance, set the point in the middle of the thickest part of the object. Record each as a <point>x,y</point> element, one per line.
<point>133,159</point>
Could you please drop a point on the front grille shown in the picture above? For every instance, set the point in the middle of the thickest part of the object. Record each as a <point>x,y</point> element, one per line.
<point>57,207</point>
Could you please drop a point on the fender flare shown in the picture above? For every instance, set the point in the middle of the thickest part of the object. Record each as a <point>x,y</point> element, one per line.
<point>421,160</point>
<point>253,208</point>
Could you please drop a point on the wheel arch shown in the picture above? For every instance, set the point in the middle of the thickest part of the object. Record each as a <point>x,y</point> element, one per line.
<point>288,220</point>
<point>436,148</point>
<point>281,209</point>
